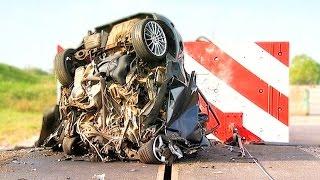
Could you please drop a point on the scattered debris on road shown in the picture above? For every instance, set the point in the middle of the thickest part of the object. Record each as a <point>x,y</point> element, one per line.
<point>314,150</point>
<point>99,176</point>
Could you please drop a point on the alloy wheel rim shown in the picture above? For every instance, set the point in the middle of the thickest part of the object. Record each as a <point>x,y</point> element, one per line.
<point>155,38</point>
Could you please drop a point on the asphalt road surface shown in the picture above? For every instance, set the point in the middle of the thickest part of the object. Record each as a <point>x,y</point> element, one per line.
<point>48,165</point>
<point>281,162</point>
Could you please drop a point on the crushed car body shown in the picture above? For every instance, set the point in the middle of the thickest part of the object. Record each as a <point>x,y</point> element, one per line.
<point>124,95</point>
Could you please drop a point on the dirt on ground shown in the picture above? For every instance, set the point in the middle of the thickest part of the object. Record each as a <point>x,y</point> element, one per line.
<point>10,156</point>
<point>313,150</point>
<point>14,157</point>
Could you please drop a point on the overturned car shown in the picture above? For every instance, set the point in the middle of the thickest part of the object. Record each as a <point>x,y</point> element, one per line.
<point>124,95</point>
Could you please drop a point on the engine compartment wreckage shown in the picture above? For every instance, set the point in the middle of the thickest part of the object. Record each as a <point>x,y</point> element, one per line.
<point>125,95</point>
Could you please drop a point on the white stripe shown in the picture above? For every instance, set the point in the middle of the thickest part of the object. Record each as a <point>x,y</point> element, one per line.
<point>227,99</point>
<point>213,137</point>
<point>259,62</point>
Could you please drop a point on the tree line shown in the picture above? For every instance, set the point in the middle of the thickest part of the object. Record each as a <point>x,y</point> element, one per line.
<point>304,71</point>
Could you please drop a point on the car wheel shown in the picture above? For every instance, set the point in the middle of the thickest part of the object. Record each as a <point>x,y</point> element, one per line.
<point>151,152</point>
<point>149,40</point>
<point>63,67</point>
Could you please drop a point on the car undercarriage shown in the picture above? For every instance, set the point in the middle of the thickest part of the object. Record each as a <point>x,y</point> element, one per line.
<point>124,94</point>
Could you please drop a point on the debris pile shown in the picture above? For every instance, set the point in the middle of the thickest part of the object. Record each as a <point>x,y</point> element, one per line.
<point>124,95</point>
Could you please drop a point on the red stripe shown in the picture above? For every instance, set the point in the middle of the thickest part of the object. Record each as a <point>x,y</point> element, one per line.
<point>279,50</point>
<point>240,79</point>
<point>227,120</point>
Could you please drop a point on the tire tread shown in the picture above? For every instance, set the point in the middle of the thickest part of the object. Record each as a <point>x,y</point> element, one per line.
<point>146,153</point>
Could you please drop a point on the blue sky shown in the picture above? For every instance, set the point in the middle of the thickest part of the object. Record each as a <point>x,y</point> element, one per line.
<point>31,29</point>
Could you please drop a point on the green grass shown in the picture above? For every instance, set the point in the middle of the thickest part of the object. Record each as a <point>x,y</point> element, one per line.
<point>18,126</point>
<point>24,95</point>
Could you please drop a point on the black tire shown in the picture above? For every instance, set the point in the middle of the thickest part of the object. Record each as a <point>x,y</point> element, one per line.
<point>138,42</point>
<point>146,154</point>
<point>63,68</point>
<point>69,145</point>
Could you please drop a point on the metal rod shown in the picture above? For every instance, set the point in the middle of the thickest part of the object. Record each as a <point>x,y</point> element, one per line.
<point>102,86</point>
<point>259,165</point>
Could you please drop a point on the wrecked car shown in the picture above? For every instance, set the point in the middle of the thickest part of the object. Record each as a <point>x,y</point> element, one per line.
<point>124,95</point>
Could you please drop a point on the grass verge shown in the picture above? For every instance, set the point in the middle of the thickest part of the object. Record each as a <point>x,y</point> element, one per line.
<point>24,95</point>
<point>18,126</point>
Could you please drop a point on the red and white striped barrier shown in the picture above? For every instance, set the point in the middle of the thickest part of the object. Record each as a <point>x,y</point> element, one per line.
<point>246,84</point>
